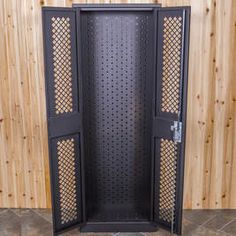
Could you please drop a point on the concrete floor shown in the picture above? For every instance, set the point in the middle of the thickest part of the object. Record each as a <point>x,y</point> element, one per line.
<point>33,222</point>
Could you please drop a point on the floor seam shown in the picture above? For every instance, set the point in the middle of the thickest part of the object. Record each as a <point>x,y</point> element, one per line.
<point>204,223</point>
<point>3,210</point>
<point>14,213</point>
<point>226,224</point>
<point>35,211</point>
<point>227,234</point>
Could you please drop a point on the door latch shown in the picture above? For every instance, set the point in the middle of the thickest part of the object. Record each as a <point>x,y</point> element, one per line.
<point>177,131</point>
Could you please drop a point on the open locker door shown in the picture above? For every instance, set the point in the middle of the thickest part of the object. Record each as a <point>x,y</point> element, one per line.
<point>170,115</point>
<point>64,117</point>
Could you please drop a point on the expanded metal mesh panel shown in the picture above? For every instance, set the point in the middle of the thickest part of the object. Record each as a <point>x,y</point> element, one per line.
<point>171,65</point>
<point>67,180</point>
<point>165,189</point>
<point>62,69</point>
<point>117,60</point>
<point>168,162</point>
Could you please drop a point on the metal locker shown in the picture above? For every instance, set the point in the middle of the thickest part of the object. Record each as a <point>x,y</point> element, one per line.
<point>116,88</point>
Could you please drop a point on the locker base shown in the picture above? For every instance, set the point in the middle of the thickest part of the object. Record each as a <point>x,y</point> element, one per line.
<point>119,227</point>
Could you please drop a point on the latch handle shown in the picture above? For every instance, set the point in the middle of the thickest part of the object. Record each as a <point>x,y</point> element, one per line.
<point>177,131</point>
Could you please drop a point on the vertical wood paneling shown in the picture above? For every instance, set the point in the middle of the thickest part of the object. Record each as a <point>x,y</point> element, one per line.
<point>210,171</point>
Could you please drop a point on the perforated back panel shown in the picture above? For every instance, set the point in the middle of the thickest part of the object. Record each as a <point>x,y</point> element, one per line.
<point>117,53</point>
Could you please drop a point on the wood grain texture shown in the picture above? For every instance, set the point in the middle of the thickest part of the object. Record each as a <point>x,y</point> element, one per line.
<point>210,171</point>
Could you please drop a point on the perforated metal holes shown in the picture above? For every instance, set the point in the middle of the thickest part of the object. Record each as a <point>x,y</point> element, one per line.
<point>61,40</point>
<point>171,68</point>
<point>168,162</point>
<point>117,110</point>
<point>67,180</point>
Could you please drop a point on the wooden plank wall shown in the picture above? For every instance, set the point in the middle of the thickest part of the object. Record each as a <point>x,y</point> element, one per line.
<point>210,173</point>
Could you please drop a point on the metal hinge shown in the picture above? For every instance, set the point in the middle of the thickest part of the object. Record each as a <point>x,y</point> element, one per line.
<point>177,131</point>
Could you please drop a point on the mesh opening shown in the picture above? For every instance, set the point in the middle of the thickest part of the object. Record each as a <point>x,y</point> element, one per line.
<point>171,68</point>
<point>67,164</point>
<point>61,40</point>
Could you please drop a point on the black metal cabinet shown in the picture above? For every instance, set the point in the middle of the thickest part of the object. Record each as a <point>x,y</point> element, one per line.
<point>116,87</point>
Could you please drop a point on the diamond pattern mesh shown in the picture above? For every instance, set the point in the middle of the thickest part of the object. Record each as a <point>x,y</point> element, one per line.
<point>168,162</point>
<point>67,180</point>
<point>61,39</point>
<point>171,64</point>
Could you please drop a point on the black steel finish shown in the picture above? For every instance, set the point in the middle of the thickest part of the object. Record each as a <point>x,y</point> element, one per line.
<point>170,106</point>
<point>116,82</point>
<point>115,6</point>
<point>180,176</point>
<point>117,76</point>
<point>64,117</point>
<point>120,226</point>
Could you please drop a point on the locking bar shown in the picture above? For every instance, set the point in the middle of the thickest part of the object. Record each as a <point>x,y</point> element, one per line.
<point>177,131</point>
